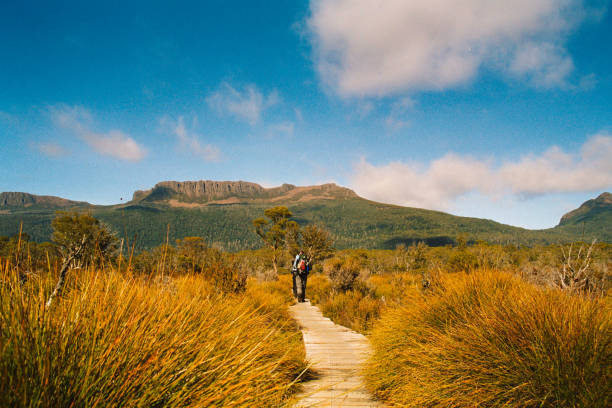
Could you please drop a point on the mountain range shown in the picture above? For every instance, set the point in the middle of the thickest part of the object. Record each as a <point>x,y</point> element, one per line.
<point>222,211</point>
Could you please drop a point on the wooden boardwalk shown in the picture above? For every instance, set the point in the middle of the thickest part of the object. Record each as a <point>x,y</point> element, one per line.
<point>336,354</point>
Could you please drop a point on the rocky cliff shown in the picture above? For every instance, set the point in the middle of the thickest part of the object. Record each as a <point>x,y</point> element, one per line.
<point>208,191</point>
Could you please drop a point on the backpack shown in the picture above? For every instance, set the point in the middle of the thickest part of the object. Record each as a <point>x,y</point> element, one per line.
<point>302,265</point>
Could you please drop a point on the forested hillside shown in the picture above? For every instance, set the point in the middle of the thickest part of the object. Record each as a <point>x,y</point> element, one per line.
<point>221,212</point>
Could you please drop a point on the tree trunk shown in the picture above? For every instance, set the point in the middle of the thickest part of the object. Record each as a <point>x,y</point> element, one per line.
<point>73,253</point>
<point>274,263</point>
<point>60,281</point>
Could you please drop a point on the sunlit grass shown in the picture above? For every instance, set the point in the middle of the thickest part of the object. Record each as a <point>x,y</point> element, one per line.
<point>355,308</point>
<point>116,340</point>
<point>489,339</point>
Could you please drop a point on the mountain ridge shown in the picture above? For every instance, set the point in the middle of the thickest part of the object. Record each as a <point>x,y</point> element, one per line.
<point>16,199</point>
<point>210,191</point>
<point>603,200</point>
<point>222,211</point>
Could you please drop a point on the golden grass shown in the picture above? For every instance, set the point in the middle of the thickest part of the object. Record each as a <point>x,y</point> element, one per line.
<point>356,308</point>
<point>489,339</point>
<point>113,340</point>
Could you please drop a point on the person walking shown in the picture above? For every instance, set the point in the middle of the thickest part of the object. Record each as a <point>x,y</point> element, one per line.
<point>294,266</point>
<point>299,272</point>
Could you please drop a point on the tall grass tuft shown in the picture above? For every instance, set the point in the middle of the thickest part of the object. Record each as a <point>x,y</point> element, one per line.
<point>357,308</point>
<point>490,339</point>
<point>113,340</point>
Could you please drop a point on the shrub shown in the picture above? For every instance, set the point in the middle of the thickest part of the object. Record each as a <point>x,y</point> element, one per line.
<point>112,340</point>
<point>318,288</point>
<point>462,261</point>
<point>353,309</point>
<point>226,277</point>
<point>97,243</point>
<point>491,340</point>
<point>343,272</point>
<point>357,308</point>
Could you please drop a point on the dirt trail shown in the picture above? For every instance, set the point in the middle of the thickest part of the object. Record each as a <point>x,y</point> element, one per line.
<point>336,354</point>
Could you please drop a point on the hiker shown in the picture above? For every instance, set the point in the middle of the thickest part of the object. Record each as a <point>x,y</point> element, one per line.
<point>294,266</point>
<point>299,271</point>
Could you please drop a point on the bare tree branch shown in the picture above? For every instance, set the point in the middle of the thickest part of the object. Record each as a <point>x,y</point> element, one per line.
<point>72,254</point>
<point>575,274</point>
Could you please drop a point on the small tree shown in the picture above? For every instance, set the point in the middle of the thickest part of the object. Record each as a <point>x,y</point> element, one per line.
<point>342,272</point>
<point>462,241</point>
<point>72,231</point>
<point>417,258</point>
<point>293,238</point>
<point>317,243</point>
<point>576,274</point>
<point>273,230</point>
<point>191,252</point>
<point>412,258</point>
<point>81,239</point>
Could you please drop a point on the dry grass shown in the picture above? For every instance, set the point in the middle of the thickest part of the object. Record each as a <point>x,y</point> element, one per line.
<point>357,308</point>
<point>112,340</point>
<point>489,339</point>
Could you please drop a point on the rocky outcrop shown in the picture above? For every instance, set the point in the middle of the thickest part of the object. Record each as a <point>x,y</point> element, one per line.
<point>206,191</point>
<point>604,200</point>
<point>18,200</point>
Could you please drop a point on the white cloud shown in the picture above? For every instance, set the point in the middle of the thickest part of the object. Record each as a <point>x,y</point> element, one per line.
<point>438,184</point>
<point>374,48</point>
<point>394,123</point>
<point>50,149</point>
<point>396,119</point>
<point>248,104</point>
<point>281,129</point>
<point>190,141</point>
<point>364,108</point>
<point>557,171</point>
<point>547,64</point>
<point>114,143</point>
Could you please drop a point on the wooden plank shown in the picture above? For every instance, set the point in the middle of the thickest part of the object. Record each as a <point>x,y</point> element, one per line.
<point>336,354</point>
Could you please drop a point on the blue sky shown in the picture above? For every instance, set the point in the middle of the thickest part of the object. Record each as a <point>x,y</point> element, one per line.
<point>473,107</point>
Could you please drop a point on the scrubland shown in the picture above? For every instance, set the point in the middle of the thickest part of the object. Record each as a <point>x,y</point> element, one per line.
<point>490,339</point>
<point>190,325</point>
<point>447,333</point>
<point>118,339</point>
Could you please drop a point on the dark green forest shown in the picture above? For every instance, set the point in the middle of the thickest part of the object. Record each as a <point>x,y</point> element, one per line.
<point>353,222</point>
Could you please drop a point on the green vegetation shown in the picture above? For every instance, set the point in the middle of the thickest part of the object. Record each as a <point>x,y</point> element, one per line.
<point>592,219</point>
<point>352,221</point>
<point>71,230</point>
<point>176,326</point>
<point>316,242</point>
<point>182,324</point>
<point>27,255</point>
<point>276,231</point>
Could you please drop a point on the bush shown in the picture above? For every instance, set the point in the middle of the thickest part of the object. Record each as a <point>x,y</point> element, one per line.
<point>353,309</point>
<point>462,261</point>
<point>343,272</point>
<point>226,277</point>
<point>72,230</point>
<point>111,340</point>
<point>357,308</point>
<point>318,288</point>
<point>491,340</point>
